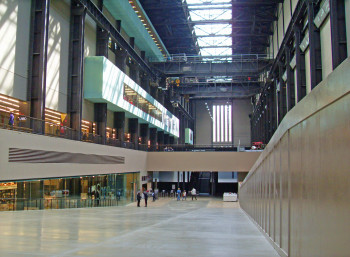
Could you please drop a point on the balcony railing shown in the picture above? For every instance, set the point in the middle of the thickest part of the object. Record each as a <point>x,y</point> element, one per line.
<point>36,126</point>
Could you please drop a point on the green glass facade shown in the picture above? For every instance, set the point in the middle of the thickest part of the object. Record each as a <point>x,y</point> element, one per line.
<point>69,192</point>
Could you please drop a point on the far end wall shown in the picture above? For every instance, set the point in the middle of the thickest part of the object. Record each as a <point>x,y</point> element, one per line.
<point>241,108</point>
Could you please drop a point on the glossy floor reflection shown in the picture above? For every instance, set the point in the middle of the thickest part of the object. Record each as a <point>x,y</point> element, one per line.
<point>207,227</point>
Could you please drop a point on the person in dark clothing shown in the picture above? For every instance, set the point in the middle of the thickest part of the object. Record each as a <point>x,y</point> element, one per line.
<point>138,197</point>
<point>145,195</point>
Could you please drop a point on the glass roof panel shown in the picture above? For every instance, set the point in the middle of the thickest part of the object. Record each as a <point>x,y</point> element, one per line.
<point>212,25</point>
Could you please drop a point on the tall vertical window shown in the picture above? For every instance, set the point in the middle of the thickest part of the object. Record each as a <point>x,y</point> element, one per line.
<point>222,123</point>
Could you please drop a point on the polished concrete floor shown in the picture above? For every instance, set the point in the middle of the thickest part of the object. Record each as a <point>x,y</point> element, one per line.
<point>207,227</point>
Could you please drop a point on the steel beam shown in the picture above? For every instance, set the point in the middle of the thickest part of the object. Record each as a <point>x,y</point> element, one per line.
<point>210,69</point>
<point>314,46</point>
<point>338,32</point>
<point>290,90</point>
<point>100,110</point>
<point>282,94</point>
<point>38,61</point>
<point>76,65</point>
<point>299,66</point>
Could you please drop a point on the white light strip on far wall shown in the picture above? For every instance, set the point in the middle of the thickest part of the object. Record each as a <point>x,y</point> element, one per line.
<point>214,123</point>
<point>230,123</point>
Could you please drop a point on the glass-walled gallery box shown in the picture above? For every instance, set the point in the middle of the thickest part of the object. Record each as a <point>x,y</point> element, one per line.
<point>69,192</point>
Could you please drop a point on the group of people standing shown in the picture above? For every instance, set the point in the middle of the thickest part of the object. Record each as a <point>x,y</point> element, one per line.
<point>145,196</point>
<point>139,197</point>
<point>184,194</point>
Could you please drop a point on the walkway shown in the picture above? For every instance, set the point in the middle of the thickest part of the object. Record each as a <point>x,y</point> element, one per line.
<point>207,227</point>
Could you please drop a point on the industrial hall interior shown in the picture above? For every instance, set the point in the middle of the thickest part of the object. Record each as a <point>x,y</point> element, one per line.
<point>228,119</point>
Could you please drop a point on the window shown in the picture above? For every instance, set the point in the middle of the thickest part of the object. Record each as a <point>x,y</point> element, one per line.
<point>222,123</point>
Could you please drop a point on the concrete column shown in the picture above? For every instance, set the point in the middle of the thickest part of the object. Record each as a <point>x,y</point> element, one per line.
<point>153,138</point>
<point>101,120</point>
<point>135,73</point>
<point>134,131</point>
<point>144,134</point>
<point>119,124</point>
<point>161,139</point>
<point>166,139</point>
<point>120,59</point>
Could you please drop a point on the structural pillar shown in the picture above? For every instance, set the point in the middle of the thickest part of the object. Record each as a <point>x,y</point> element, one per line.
<point>153,138</point>
<point>282,94</point>
<point>290,90</point>
<point>300,82</point>
<point>161,140</point>
<point>314,46</point>
<point>120,59</point>
<point>76,66</point>
<point>119,124</point>
<point>101,120</point>
<point>144,133</point>
<point>38,61</point>
<point>134,132</point>
<point>166,139</point>
<point>338,32</point>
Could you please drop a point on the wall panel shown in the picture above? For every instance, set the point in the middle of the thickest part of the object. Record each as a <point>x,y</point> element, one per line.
<point>14,38</point>
<point>275,43</point>
<point>326,48</point>
<point>284,193</point>
<point>90,37</point>
<point>57,58</point>
<point>287,14</point>
<point>294,4</point>
<point>309,151</point>
<point>280,25</point>
<point>307,71</point>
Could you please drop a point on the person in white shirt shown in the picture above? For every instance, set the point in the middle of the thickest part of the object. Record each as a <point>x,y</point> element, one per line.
<point>194,193</point>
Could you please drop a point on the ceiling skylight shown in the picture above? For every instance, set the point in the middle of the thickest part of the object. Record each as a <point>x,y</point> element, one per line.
<point>212,25</point>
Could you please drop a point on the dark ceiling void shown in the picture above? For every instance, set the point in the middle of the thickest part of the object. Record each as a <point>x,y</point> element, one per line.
<point>252,26</point>
<point>162,13</point>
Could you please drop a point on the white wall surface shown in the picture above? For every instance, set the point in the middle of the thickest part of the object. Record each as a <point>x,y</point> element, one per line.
<point>287,15</point>
<point>241,108</point>
<point>57,64</point>
<point>14,45</point>
<point>294,4</point>
<point>326,48</point>
<point>203,132</point>
<point>110,119</point>
<point>134,160</point>
<point>280,25</point>
<point>275,43</point>
<point>90,37</point>
<point>307,71</point>
<point>88,110</point>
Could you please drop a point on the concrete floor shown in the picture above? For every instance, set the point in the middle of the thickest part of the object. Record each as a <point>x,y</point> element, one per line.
<point>207,227</point>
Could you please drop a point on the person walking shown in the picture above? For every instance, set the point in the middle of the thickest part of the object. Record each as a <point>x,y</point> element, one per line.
<point>194,193</point>
<point>11,120</point>
<point>178,194</point>
<point>145,195</point>
<point>138,197</point>
<point>184,195</point>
